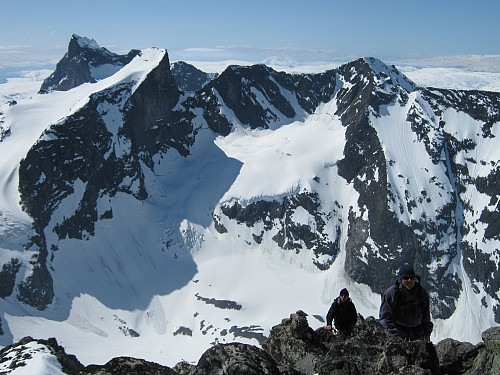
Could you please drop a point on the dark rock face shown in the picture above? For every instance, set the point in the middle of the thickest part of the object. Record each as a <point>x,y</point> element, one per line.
<point>464,358</point>
<point>8,277</point>
<point>478,264</point>
<point>290,235</point>
<point>370,89</point>
<point>82,149</point>
<point>78,65</point>
<point>256,94</point>
<point>190,78</point>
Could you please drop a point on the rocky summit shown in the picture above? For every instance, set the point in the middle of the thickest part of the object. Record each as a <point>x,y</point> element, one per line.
<point>293,348</point>
<point>84,62</point>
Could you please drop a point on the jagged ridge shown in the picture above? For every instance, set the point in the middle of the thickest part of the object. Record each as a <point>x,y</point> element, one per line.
<point>292,348</point>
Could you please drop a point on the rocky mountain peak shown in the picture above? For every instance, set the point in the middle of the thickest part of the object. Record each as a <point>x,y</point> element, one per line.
<point>78,44</point>
<point>190,78</point>
<point>389,74</point>
<point>85,61</point>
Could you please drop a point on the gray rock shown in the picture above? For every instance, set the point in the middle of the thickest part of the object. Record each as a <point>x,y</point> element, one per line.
<point>369,350</point>
<point>184,368</point>
<point>293,344</point>
<point>128,366</point>
<point>487,361</point>
<point>236,358</point>
<point>455,357</point>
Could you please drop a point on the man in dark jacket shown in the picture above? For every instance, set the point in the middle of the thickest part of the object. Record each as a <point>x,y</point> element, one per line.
<point>343,313</point>
<point>404,311</point>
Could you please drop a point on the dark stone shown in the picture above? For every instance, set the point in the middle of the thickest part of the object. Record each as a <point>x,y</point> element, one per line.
<point>291,235</point>
<point>455,357</point>
<point>293,344</point>
<point>251,332</point>
<point>128,366</point>
<point>8,277</point>
<point>220,304</point>
<point>369,350</point>
<point>184,368</point>
<point>235,358</point>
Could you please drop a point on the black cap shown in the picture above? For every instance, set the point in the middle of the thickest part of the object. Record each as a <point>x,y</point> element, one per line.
<point>406,270</point>
<point>344,292</point>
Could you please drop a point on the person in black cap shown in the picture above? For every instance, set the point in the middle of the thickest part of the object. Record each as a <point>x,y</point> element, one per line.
<point>343,312</point>
<point>404,310</point>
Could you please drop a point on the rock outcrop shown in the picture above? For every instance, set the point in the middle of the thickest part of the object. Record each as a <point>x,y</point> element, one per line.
<point>190,78</point>
<point>294,348</point>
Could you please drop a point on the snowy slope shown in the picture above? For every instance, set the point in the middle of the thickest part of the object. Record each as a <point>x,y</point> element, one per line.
<point>41,361</point>
<point>157,279</point>
<point>411,174</point>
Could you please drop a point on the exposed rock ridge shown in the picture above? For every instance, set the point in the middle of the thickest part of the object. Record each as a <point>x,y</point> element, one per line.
<point>293,348</point>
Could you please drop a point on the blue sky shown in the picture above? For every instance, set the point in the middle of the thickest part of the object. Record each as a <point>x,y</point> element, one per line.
<point>35,31</point>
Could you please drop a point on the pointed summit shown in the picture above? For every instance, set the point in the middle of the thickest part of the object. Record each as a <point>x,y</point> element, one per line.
<point>84,62</point>
<point>396,77</point>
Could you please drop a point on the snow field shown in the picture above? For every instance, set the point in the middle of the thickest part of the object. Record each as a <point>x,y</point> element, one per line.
<point>147,280</point>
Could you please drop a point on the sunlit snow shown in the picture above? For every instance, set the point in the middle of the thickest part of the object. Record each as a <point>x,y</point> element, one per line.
<point>108,306</point>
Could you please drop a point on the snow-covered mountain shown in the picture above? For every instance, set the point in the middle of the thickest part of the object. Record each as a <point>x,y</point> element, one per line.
<point>139,219</point>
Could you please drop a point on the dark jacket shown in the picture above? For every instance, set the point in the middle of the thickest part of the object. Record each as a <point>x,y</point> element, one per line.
<point>405,313</point>
<point>343,313</point>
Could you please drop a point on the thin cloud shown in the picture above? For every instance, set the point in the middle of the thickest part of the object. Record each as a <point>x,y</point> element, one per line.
<point>471,63</point>
<point>12,57</point>
<point>258,54</point>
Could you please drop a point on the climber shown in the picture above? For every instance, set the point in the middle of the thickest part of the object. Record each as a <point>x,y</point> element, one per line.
<point>404,310</point>
<point>343,312</point>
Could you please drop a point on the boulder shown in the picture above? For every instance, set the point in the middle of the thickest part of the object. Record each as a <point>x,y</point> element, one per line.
<point>127,366</point>
<point>487,361</point>
<point>235,358</point>
<point>455,357</point>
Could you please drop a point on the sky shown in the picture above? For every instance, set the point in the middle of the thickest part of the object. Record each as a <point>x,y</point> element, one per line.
<point>36,33</point>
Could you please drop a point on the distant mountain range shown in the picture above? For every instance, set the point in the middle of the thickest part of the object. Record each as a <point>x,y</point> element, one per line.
<point>152,203</point>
